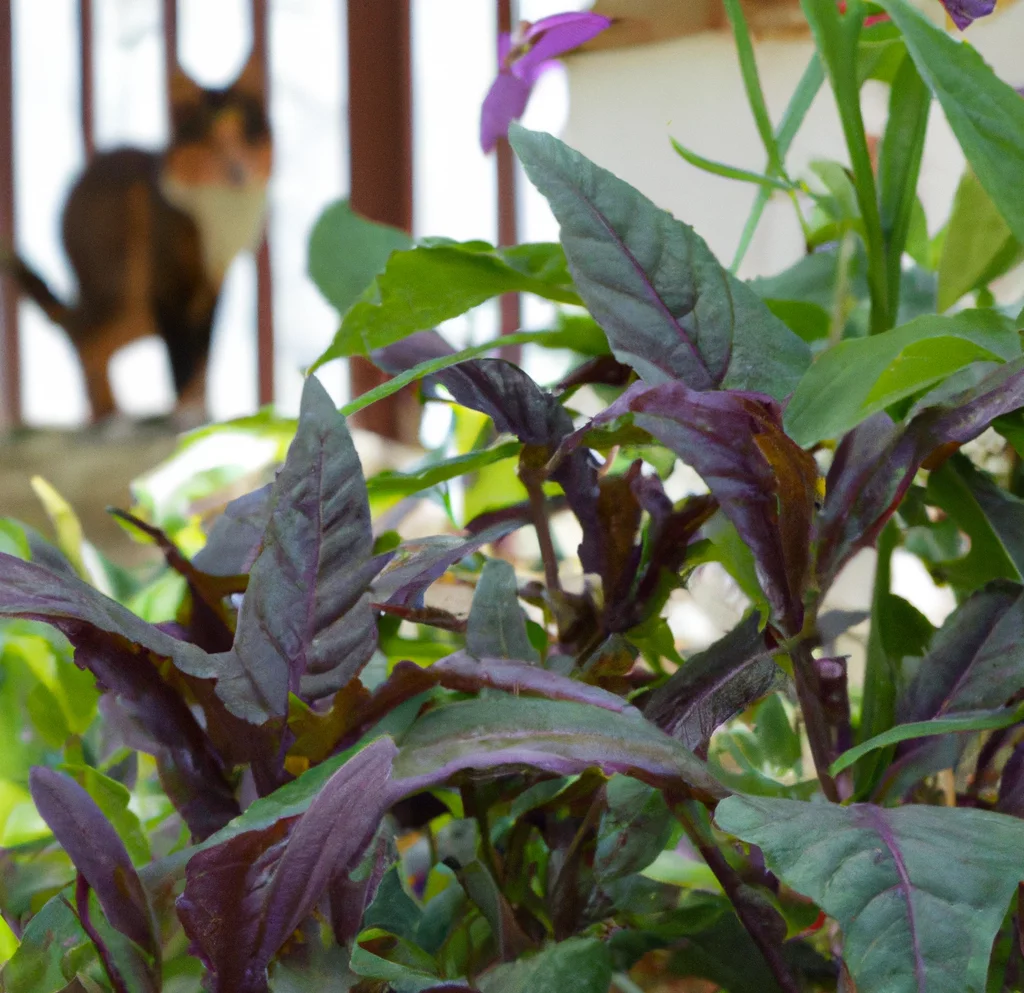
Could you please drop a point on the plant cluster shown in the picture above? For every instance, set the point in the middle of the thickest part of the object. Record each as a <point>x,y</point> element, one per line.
<point>284,765</point>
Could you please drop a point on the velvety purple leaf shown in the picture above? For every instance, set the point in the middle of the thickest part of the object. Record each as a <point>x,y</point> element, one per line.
<point>964,12</point>
<point>669,535</point>
<point>919,892</point>
<point>714,686</point>
<point>235,537</point>
<point>330,837</point>
<point>497,624</point>
<point>669,309</point>
<point>83,614</point>
<point>604,370</point>
<point>416,564</point>
<point>245,897</point>
<point>106,636</point>
<point>466,674</point>
<point>564,737</point>
<point>975,662</point>
<point>306,614</point>
<point>161,723</point>
<point>1011,784</point>
<point>97,852</point>
<point>223,905</point>
<point>417,348</point>
<point>207,617</point>
<point>877,461</point>
<point>351,892</point>
<point>764,483</point>
<point>518,406</point>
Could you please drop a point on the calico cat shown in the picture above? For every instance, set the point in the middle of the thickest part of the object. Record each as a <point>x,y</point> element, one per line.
<point>150,236</point>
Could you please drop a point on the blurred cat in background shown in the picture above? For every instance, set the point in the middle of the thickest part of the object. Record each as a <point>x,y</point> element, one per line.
<point>150,236</point>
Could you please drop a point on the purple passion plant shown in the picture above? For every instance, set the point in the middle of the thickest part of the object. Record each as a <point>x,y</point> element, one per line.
<point>317,775</point>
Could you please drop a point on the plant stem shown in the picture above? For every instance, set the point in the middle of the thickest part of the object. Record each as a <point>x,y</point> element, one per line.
<point>539,513</point>
<point>733,887</point>
<point>818,736</point>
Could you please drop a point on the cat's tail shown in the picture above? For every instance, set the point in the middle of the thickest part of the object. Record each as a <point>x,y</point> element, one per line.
<point>34,287</point>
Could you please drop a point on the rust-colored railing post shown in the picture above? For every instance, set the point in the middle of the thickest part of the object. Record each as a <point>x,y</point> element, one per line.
<point>264,283</point>
<point>170,39</point>
<point>88,78</point>
<point>380,143</point>
<point>508,215</point>
<point>10,356</point>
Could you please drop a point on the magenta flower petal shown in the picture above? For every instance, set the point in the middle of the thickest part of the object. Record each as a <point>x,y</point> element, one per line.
<point>553,36</point>
<point>504,103</point>
<point>963,12</point>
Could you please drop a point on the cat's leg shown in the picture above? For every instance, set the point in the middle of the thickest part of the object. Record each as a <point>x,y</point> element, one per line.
<point>188,347</point>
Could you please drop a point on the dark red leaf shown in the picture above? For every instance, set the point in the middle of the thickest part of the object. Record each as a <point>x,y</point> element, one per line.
<point>306,614</point>
<point>877,461</point>
<point>97,852</point>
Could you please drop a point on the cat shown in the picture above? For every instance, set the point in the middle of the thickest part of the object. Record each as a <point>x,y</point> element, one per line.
<point>150,236</point>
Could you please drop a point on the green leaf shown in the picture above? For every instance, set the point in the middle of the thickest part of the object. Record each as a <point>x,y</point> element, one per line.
<point>13,540</point>
<point>8,942</point>
<point>986,114</point>
<point>406,968</point>
<point>729,172</point>
<point>836,36</point>
<point>669,309</point>
<point>860,376</point>
<point>633,830</point>
<point>429,284</point>
<point>346,252</point>
<point>982,720</point>
<point>392,484</point>
<point>899,165</point>
<point>579,965</point>
<point>991,517</point>
<point>43,962</point>
<point>919,892</point>
<point>979,245</point>
<point>497,625</point>
<point>559,736</point>
<point>799,103</point>
<point>752,83</point>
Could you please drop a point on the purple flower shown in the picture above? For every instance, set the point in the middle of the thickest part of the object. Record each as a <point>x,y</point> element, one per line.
<point>963,12</point>
<point>522,58</point>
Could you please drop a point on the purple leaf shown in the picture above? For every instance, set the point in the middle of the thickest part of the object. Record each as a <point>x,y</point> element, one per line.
<point>416,564</point>
<point>306,614</point>
<point>98,854</point>
<point>466,674</point>
<point>975,662</point>
<point>497,625</point>
<point>234,540</point>
<point>564,737</point>
<point>245,897</point>
<point>764,482</point>
<point>714,686</point>
<point>1011,784</point>
<point>669,309</point>
<point>84,615</point>
<point>919,892</point>
<point>162,724</point>
<point>518,406</point>
<point>877,461</point>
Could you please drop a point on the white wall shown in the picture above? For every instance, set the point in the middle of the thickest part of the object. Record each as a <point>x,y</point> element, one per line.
<point>626,103</point>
